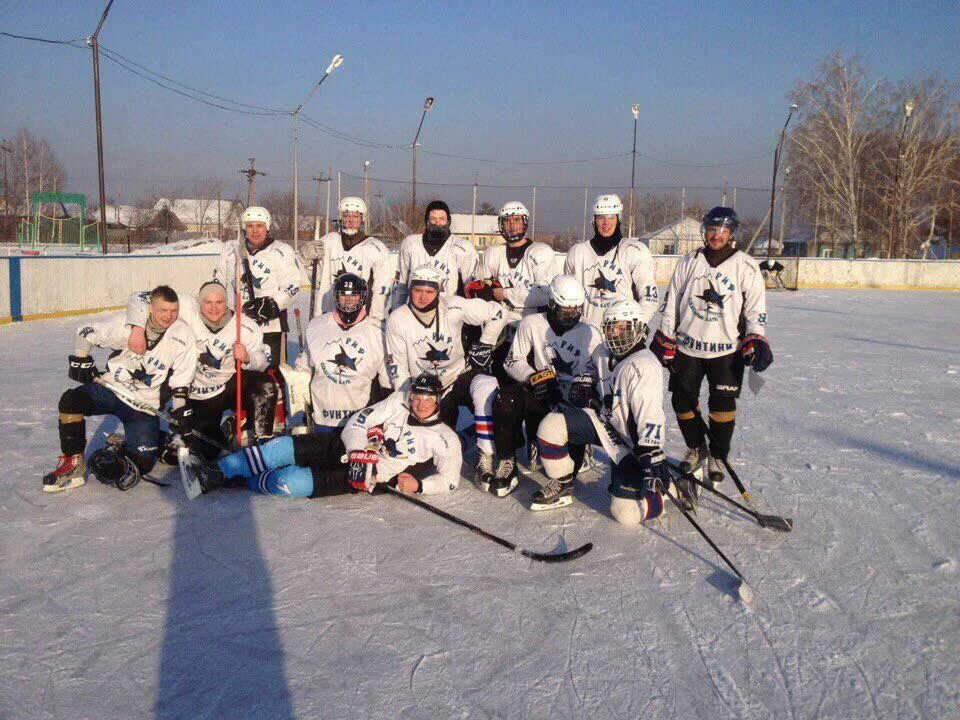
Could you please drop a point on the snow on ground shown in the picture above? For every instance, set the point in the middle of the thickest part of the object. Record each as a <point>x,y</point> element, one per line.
<point>142,604</point>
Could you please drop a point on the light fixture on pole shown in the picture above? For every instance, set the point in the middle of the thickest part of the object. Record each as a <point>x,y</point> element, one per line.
<point>427,104</point>
<point>776,164</point>
<point>334,64</point>
<point>894,206</point>
<point>93,42</point>
<point>633,171</point>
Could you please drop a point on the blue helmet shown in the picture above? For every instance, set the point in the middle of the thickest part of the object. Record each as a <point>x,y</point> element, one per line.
<point>721,217</point>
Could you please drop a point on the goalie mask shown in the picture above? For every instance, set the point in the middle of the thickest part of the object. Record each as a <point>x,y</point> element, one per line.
<point>623,328</point>
<point>350,297</point>
<point>566,302</point>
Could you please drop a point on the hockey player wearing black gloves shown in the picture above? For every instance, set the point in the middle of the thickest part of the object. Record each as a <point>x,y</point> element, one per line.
<point>344,351</point>
<point>272,283</point>
<point>349,249</point>
<point>713,325</point>
<point>213,390</point>
<point>611,267</point>
<point>549,361</point>
<point>453,257</point>
<point>397,439</point>
<point>771,268</point>
<point>425,335</point>
<point>129,390</point>
<point>625,417</point>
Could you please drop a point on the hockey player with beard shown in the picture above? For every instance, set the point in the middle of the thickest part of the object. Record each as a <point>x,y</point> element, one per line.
<point>714,317</point>
<point>550,353</point>
<point>398,439</point>
<point>454,257</point>
<point>344,350</point>
<point>623,413</point>
<point>129,390</point>
<point>611,267</point>
<point>274,276</point>
<point>425,335</point>
<point>351,250</point>
<point>213,389</point>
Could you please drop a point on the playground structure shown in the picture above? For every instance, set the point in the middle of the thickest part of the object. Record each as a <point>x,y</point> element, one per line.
<point>44,229</point>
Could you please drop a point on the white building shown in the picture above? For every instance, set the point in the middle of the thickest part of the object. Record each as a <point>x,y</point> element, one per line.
<point>482,230</point>
<point>201,214</point>
<point>678,238</point>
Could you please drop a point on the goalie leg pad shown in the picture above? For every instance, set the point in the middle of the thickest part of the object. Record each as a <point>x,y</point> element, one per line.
<point>552,441</point>
<point>291,481</point>
<point>483,388</point>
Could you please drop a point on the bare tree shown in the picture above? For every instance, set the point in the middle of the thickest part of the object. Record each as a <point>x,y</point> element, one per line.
<point>203,195</point>
<point>829,148</point>
<point>33,167</point>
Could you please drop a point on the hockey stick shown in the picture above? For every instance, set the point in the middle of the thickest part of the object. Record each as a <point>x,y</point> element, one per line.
<point>772,522</point>
<point>296,315</point>
<point>238,310</point>
<point>313,288</point>
<point>540,557</point>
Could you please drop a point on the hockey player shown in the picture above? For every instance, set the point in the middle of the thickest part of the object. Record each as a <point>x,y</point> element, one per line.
<point>454,257</point>
<point>611,267</point>
<point>771,268</point>
<point>344,350</point>
<point>714,317</point>
<point>129,390</point>
<point>351,250</point>
<point>623,413</point>
<point>400,438</point>
<point>550,352</point>
<point>213,389</point>
<point>273,280</point>
<point>425,335</point>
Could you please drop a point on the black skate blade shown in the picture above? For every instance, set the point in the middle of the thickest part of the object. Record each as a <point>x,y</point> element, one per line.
<point>154,481</point>
<point>775,522</point>
<point>558,557</point>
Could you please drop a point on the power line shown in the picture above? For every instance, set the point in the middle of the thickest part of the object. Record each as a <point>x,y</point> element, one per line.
<point>75,42</point>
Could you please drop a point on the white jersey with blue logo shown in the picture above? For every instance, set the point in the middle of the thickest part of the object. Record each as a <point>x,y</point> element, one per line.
<point>704,305</point>
<point>456,260</point>
<point>537,347</point>
<point>526,285</point>
<point>370,259</point>
<point>407,443</point>
<point>345,362</point>
<point>624,273</point>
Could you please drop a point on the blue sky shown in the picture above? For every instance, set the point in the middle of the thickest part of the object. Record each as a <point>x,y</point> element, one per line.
<point>533,81</point>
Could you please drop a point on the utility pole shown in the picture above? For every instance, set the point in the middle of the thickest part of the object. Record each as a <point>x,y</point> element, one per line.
<point>734,206</point>
<point>316,213</point>
<point>427,104</point>
<point>219,218</point>
<point>816,231</point>
<point>633,170</point>
<point>366,191</point>
<point>473,213</point>
<point>724,200</point>
<point>381,215</point>
<point>783,220</point>
<point>326,220</point>
<point>583,233</point>
<point>94,43</point>
<point>533,224</point>
<point>251,174</point>
<point>5,149</point>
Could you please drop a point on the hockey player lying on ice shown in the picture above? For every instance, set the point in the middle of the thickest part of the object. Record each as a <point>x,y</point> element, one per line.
<point>399,438</point>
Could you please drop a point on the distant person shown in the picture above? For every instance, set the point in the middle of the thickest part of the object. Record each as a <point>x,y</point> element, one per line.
<point>771,268</point>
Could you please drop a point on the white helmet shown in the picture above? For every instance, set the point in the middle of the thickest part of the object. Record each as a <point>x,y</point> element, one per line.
<point>351,204</point>
<point>255,213</point>
<point>427,274</point>
<point>620,341</point>
<point>511,209</point>
<point>608,205</point>
<point>566,291</point>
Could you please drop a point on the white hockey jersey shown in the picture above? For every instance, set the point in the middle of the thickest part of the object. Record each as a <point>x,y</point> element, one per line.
<point>624,273</point>
<point>456,260</point>
<point>407,443</point>
<point>537,347</point>
<point>526,287</point>
<point>413,348</point>
<point>215,360</point>
<point>370,259</point>
<point>344,363</point>
<point>172,358</point>
<point>704,305</point>
<point>632,394</point>
<point>276,274</point>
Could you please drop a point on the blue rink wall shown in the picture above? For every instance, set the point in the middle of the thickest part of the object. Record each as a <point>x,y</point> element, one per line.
<point>45,286</point>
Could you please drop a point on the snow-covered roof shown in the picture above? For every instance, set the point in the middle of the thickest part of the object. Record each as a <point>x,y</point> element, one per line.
<point>465,223</point>
<point>129,215</point>
<point>684,229</point>
<point>193,211</point>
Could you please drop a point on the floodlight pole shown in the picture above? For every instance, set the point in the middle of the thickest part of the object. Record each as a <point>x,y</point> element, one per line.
<point>894,206</point>
<point>776,165</point>
<point>427,104</point>
<point>633,172</point>
<point>94,43</point>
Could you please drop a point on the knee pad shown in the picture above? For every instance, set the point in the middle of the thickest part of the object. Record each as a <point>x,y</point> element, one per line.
<point>680,404</point>
<point>722,404</point>
<point>627,511</point>
<point>482,390</point>
<point>553,429</point>
<point>263,399</point>
<point>552,441</point>
<point>505,404</point>
<point>75,402</point>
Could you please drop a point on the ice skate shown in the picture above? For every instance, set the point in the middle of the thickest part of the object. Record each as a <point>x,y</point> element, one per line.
<point>70,473</point>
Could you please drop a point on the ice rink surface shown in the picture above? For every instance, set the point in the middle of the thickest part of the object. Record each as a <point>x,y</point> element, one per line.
<point>142,604</point>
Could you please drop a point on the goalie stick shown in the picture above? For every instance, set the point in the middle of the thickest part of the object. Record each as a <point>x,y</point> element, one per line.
<point>540,557</point>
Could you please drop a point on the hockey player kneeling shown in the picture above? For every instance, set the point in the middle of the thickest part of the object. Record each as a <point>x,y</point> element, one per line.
<point>620,403</point>
<point>400,438</point>
<point>129,390</point>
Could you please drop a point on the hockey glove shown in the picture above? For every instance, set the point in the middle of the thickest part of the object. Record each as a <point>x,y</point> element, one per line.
<point>481,289</point>
<point>181,412</point>
<point>375,438</point>
<point>362,470</point>
<point>262,309</point>
<point>756,352</point>
<point>651,473</point>
<point>312,251</point>
<point>82,369</point>
<point>664,347</point>
<point>545,387</point>
<point>479,356</point>
<point>583,392</point>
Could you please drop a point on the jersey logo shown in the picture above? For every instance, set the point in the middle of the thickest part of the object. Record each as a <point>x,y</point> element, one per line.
<point>436,354</point>
<point>207,358</point>
<point>141,375</point>
<point>390,447</point>
<point>343,360</point>
<point>86,331</point>
<point>603,284</point>
<point>248,277</point>
<point>711,297</point>
<point>561,366</point>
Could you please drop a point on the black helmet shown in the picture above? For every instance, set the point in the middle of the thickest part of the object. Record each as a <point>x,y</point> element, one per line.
<point>349,285</point>
<point>721,217</point>
<point>426,384</point>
